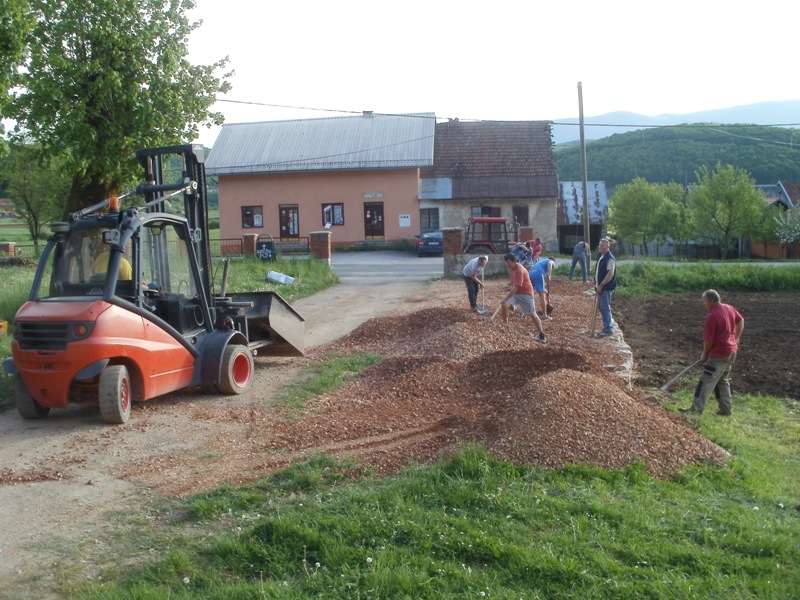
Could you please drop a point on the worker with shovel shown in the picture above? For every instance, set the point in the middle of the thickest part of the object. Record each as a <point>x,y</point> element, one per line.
<point>540,275</point>
<point>470,272</point>
<point>520,294</point>
<point>721,333</point>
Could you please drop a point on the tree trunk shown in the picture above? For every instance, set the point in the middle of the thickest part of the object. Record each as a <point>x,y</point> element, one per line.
<point>88,188</point>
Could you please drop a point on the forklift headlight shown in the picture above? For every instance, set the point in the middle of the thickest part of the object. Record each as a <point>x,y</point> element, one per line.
<point>80,330</point>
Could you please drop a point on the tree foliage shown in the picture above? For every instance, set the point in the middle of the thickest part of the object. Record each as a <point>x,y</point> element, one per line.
<point>103,78</point>
<point>725,205</point>
<point>632,210</point>
<point>36,187</point>
<point>666,154</point>
<point>672,220</point>
<point>787,226</point>
<point>16,23</point>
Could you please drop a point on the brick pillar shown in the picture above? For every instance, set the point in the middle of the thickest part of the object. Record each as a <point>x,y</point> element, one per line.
<point>453,240</point>
<point>320,245</point>
<point>249,244</point>
<point>526,234</point>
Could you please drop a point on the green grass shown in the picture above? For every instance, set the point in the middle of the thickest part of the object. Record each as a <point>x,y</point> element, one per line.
<point>474,526</point>
<point>16,230</point>
<point>323,377</point>
<point>652,278</point>
<point>249,274</point>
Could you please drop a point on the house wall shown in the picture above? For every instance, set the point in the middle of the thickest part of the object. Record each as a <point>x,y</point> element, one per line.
<point>542,216</point>
<point>396,189</point>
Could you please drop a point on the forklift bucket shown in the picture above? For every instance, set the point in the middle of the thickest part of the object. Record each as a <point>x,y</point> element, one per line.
<point>272,323</point>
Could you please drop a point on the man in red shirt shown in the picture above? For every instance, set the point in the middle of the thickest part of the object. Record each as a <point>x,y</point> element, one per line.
<point>520,294</point>
<point>723,328</point>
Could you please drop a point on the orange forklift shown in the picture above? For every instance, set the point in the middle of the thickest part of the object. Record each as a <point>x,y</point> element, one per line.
<point>122,306</point>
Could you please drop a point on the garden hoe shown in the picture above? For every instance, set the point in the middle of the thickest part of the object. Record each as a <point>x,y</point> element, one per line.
<point>666,386</point>
<point>594,316</point>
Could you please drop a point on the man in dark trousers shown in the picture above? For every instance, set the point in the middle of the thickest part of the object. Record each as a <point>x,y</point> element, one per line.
<point>605,284</point>
<point>580,255</point>
<point>723,328</point>
<point>470,272</point>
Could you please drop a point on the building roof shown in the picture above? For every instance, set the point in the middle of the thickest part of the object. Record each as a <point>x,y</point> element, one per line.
<point>792,189</point>
<point>368,141</point>
<point>492,159</point>
<point>493,148</point>
<point>781,193</point>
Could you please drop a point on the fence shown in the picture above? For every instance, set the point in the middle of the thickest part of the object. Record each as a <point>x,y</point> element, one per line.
<point>225,248</point>
<point>295,246</point>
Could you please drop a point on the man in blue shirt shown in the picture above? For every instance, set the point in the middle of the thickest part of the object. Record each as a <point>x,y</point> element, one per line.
<point>540,274</point>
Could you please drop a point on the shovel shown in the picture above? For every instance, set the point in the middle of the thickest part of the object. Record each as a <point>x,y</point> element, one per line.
<point>482,308</point>
<point>666,386</point>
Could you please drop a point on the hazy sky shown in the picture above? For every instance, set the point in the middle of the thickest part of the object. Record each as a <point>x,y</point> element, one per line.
<point>505,60</point>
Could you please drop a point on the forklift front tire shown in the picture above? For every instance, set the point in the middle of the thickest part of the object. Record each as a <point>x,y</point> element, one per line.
<point>115,394</point>
<point>236,374</point>
<point>27,406</point>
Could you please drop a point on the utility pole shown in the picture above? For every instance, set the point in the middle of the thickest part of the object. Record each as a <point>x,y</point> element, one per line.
<point>584,183</point>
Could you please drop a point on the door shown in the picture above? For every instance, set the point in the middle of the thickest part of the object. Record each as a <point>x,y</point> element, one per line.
<point>373,220</point>
<point>289,219</point>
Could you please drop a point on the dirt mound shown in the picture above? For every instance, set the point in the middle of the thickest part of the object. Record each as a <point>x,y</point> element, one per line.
<point>451,375</point>
<point>570,417</point>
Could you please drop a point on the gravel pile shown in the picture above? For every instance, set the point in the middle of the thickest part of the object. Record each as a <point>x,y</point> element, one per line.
<point>450,375</point>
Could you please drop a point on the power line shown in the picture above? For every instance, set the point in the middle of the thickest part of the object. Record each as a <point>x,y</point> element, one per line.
<point>552,122</point>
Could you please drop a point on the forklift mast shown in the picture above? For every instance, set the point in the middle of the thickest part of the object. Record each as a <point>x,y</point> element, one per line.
<point>157,164</point>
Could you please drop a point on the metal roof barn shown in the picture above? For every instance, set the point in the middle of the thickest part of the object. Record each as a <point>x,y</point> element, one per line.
<point>368,141</point>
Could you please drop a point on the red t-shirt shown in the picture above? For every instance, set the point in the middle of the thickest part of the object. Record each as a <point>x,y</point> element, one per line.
<point>720,330</point>
<point>521,279</point>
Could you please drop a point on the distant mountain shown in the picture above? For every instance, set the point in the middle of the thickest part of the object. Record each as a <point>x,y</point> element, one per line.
<point>787,112</point>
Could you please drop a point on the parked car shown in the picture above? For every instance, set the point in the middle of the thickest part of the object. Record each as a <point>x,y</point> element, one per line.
<point>430,242</point>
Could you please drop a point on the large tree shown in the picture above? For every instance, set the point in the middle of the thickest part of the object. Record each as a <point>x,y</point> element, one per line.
<point>103,78</point>
<point>725,205</point>
<point>16,23</point>
<point>671,221</point>
<point>632,211</point>
<point>35,187</point>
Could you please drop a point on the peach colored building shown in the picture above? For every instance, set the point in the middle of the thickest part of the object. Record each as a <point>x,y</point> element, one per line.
<point>357,177</point>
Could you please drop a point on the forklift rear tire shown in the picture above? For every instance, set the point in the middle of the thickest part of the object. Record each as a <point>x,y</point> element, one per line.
<point>115,394</point>
<point>27,406</point>
<point>237,370</point>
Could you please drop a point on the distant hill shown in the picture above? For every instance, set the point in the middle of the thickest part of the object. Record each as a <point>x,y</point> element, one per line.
<point>769,154</point>
<point>762,113</point>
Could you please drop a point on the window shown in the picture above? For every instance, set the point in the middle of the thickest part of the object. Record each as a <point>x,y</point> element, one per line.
<point>332,214</point>
<point>486,211</point>
<point>428,219</point>
<point>252,216</point>
<point>521,215</point>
